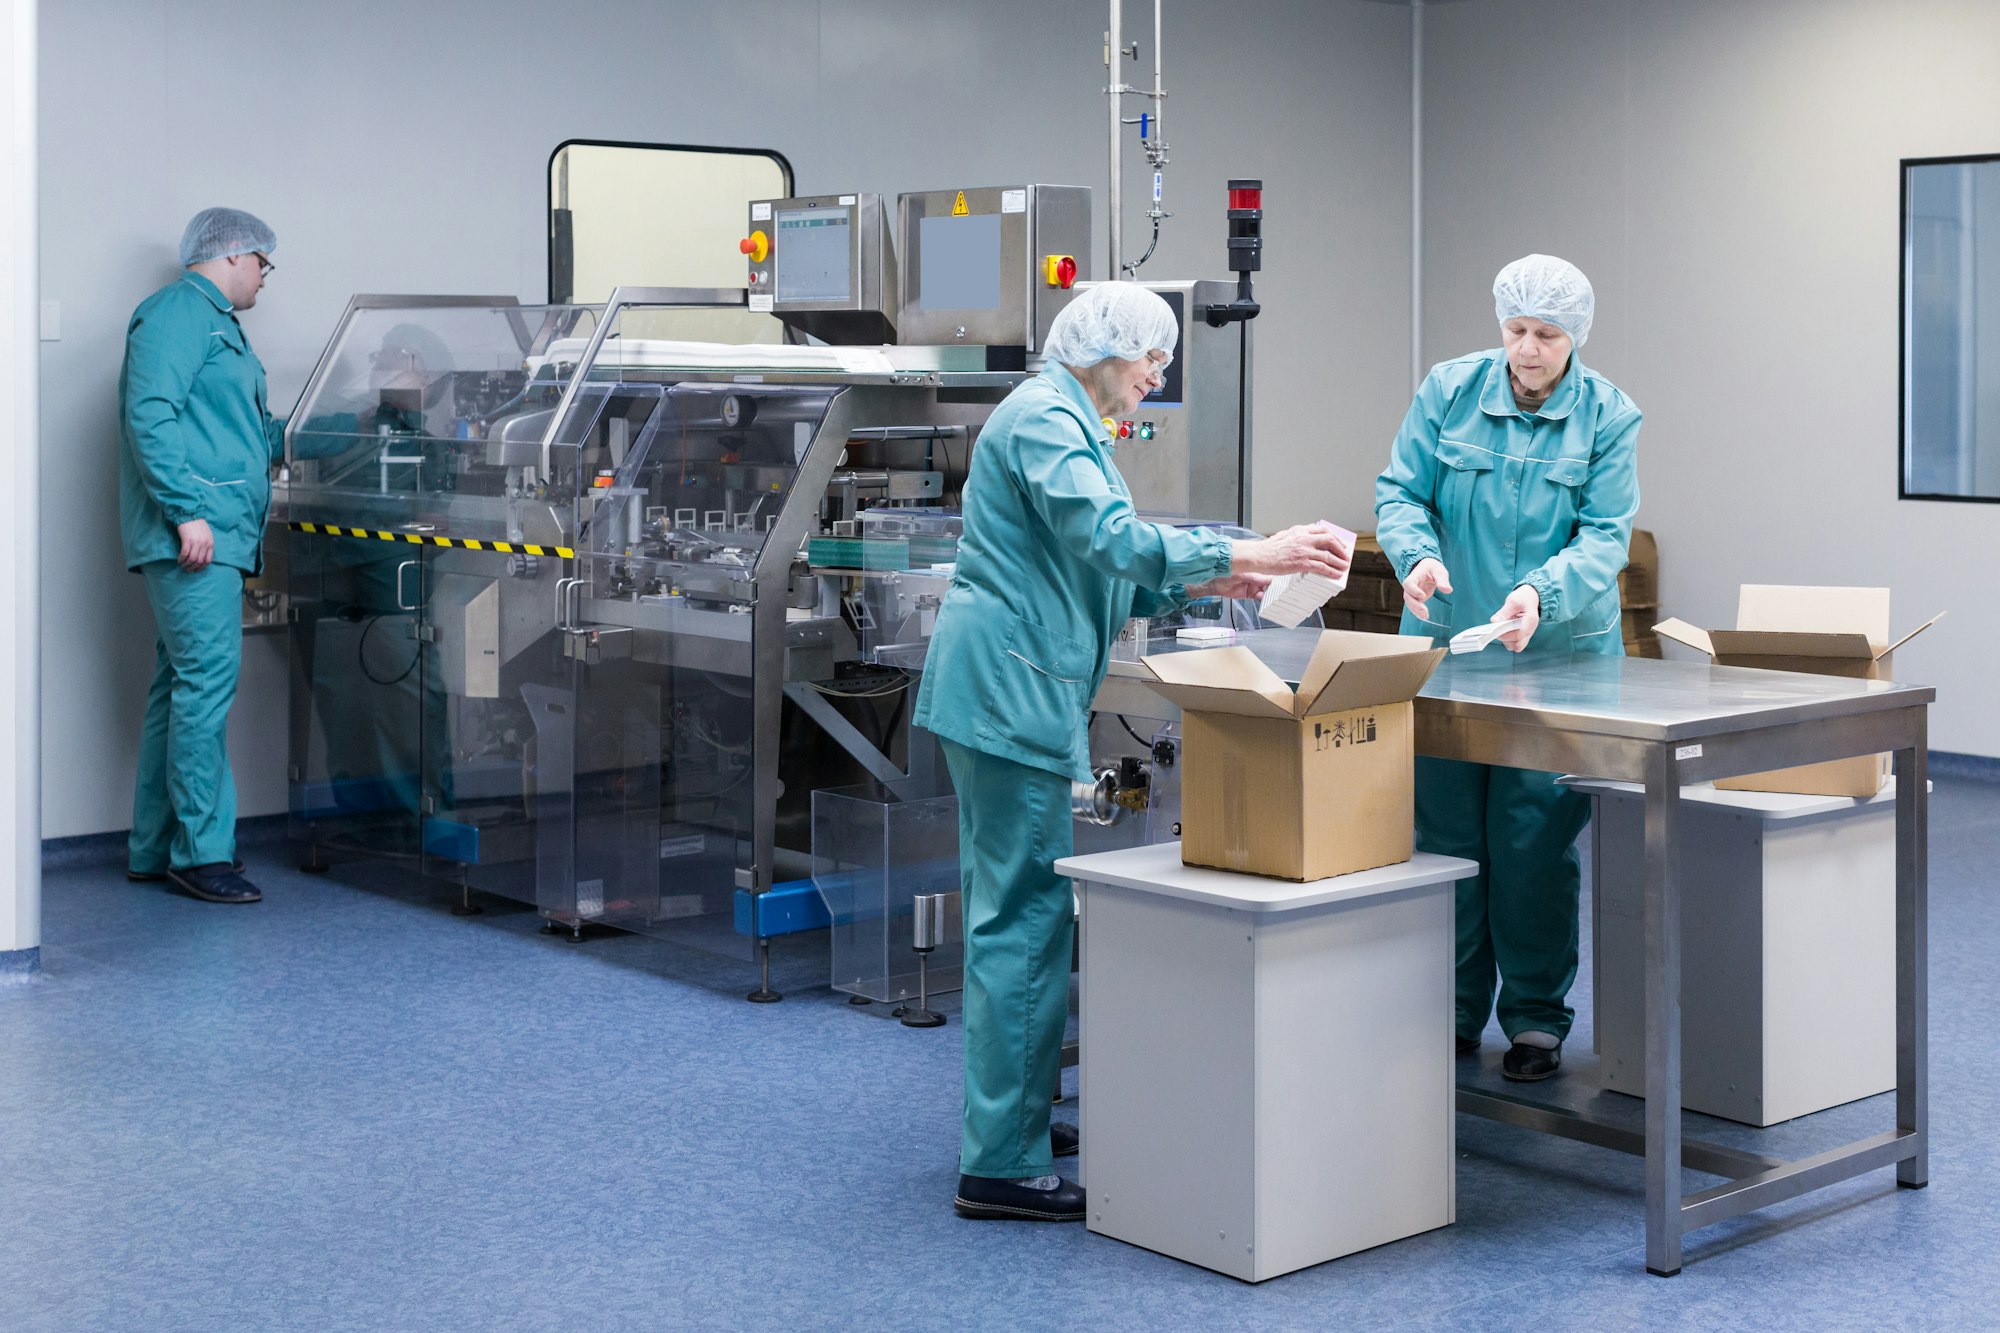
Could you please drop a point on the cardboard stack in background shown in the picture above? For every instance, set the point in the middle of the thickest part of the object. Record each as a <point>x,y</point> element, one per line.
<point>1821,631</point>
<point>1639,595</point>
<point>1298,785</point>
<point>1373,599</point>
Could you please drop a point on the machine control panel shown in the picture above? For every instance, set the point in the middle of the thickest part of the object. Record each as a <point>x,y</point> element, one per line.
<point>824,264</point>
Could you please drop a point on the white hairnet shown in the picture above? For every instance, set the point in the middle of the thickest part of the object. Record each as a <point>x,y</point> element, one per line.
<point>217,233</point>
<point>1120,319</point>
<point>1549,289</point>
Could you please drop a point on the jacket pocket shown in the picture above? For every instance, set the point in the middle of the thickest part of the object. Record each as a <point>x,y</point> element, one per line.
<point>1566,478</point>
<point>1461,466</point>
<point>1039,687</point>
<point>1595,629</point>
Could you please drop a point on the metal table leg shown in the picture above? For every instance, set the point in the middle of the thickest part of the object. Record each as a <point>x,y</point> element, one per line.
<point>1663,1014</point>
<point>1913,1110</point>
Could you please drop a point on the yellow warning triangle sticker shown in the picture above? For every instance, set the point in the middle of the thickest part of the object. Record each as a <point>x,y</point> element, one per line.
<point>959,210</point>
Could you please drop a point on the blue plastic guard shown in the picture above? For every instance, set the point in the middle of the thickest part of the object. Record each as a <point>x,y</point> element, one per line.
<point>782,909</point>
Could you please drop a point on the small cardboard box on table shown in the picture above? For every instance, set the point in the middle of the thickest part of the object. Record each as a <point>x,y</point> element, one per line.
<point>1821,631</point>
<point>1298,784</point>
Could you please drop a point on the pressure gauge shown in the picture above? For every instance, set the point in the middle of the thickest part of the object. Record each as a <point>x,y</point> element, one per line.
<point>738,410</point>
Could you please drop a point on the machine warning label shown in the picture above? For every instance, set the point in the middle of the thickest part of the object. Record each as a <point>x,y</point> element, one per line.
<point>958,208</point>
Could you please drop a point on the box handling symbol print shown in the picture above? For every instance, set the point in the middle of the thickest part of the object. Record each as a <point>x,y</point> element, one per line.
<point>1335,734</point>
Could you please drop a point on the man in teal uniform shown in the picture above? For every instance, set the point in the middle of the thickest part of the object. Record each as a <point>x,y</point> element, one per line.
<point>1052,563</point>
<point>1510,491</point>
<point>194,482</point>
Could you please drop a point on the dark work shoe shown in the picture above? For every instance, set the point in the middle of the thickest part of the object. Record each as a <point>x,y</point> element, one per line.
<point>1467,1045</point>
<point>1004,1201</point>
<point>216,883</point>
<point>1063,1139</point>
<point>1527,1064</point>
<point>160,876</point>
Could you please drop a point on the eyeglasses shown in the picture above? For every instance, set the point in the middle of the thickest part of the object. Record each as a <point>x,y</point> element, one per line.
<point>1157,363</point>
<point>264,266</point>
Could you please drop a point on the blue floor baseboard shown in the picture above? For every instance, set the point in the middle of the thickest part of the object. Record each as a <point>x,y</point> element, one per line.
<point>97,849</point>
<point>1979,767</point>
<point>20,965</point>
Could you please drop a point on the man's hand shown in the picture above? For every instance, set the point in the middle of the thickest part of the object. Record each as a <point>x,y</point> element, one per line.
<point>1232,585</point>
<point>1526,603</point>
<point>197,544</point>
<point>1428,577</point>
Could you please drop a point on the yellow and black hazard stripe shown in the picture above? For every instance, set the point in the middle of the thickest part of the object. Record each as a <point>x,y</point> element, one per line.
<point>428,539</point>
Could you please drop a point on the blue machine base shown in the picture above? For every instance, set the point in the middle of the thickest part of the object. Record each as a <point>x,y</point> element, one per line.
<point>782,909</point>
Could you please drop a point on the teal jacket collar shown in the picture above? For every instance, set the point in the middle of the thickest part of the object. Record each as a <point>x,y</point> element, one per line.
<point>1071,388</point>
<point>210,290</point>
<point>1496,398</point>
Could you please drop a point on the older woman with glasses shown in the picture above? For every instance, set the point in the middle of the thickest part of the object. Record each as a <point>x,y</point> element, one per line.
<point>1052,563</point>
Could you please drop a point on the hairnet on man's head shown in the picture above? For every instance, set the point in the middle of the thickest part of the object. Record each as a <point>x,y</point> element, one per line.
<point>1120,319</point>
<point>1549,289</point>
<point>217,233</point>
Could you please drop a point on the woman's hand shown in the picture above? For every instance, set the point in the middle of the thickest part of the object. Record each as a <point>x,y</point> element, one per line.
<point>1314,548</point>
<point>1526,603</point>
<point>1428,577</point>
<point>1232,585</point>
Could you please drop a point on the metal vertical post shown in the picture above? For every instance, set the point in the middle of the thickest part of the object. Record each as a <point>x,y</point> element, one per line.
<point>1913,1111</point>
<point>1416,195</point>
<point>1114,55</point>
<point>1663,1014</point>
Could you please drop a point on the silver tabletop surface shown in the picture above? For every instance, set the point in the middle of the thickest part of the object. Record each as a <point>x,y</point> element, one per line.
<point>1641,698</point>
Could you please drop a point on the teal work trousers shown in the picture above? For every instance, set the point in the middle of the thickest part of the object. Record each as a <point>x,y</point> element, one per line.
<point>1020,928</point>
<point>184,805</point>
<point>1517,916</point>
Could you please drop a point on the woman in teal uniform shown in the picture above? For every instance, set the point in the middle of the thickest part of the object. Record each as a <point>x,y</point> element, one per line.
<point>1510,492</point>
<point>1052,563</point>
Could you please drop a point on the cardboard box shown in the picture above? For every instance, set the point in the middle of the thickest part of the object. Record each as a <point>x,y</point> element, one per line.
<point>1821,631</point>
<point>1639,582</point>
<point>1368,592</point>
<point>1298,785</point>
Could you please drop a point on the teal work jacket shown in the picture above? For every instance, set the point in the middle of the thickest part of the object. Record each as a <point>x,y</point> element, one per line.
<point>198,438</point>
<point>1505,497</point>
<point>1052,563</point>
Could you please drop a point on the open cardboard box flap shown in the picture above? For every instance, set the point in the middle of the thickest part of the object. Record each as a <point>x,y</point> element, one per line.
<point>1760,641</point>
<point>1220,680</point>
<point>1348,669</point>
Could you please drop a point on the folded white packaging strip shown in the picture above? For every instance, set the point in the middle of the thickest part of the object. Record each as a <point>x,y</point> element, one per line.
<point>1293,597</point>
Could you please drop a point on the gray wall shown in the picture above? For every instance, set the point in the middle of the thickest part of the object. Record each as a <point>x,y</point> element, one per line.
<point>1726,173</point>
<point>402,147</point>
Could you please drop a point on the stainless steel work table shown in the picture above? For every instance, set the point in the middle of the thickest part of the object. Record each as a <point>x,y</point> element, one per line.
<point>1665,724</point>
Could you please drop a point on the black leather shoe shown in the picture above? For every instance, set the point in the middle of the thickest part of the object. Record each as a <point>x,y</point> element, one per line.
<point>1527,1064</point>
<point>1063,1139</point>
<point>160,876</point>
<point>1004,1201</point>
<point>215,883</point>
<point>1467,1045</point>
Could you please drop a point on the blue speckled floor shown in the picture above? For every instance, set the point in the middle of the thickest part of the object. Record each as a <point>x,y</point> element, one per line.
<point>347,1109</point>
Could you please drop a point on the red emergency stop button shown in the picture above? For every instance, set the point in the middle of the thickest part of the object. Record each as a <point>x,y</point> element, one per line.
<point>1060,270</point>
<point>757,245</point>
<point>1124,430</point>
